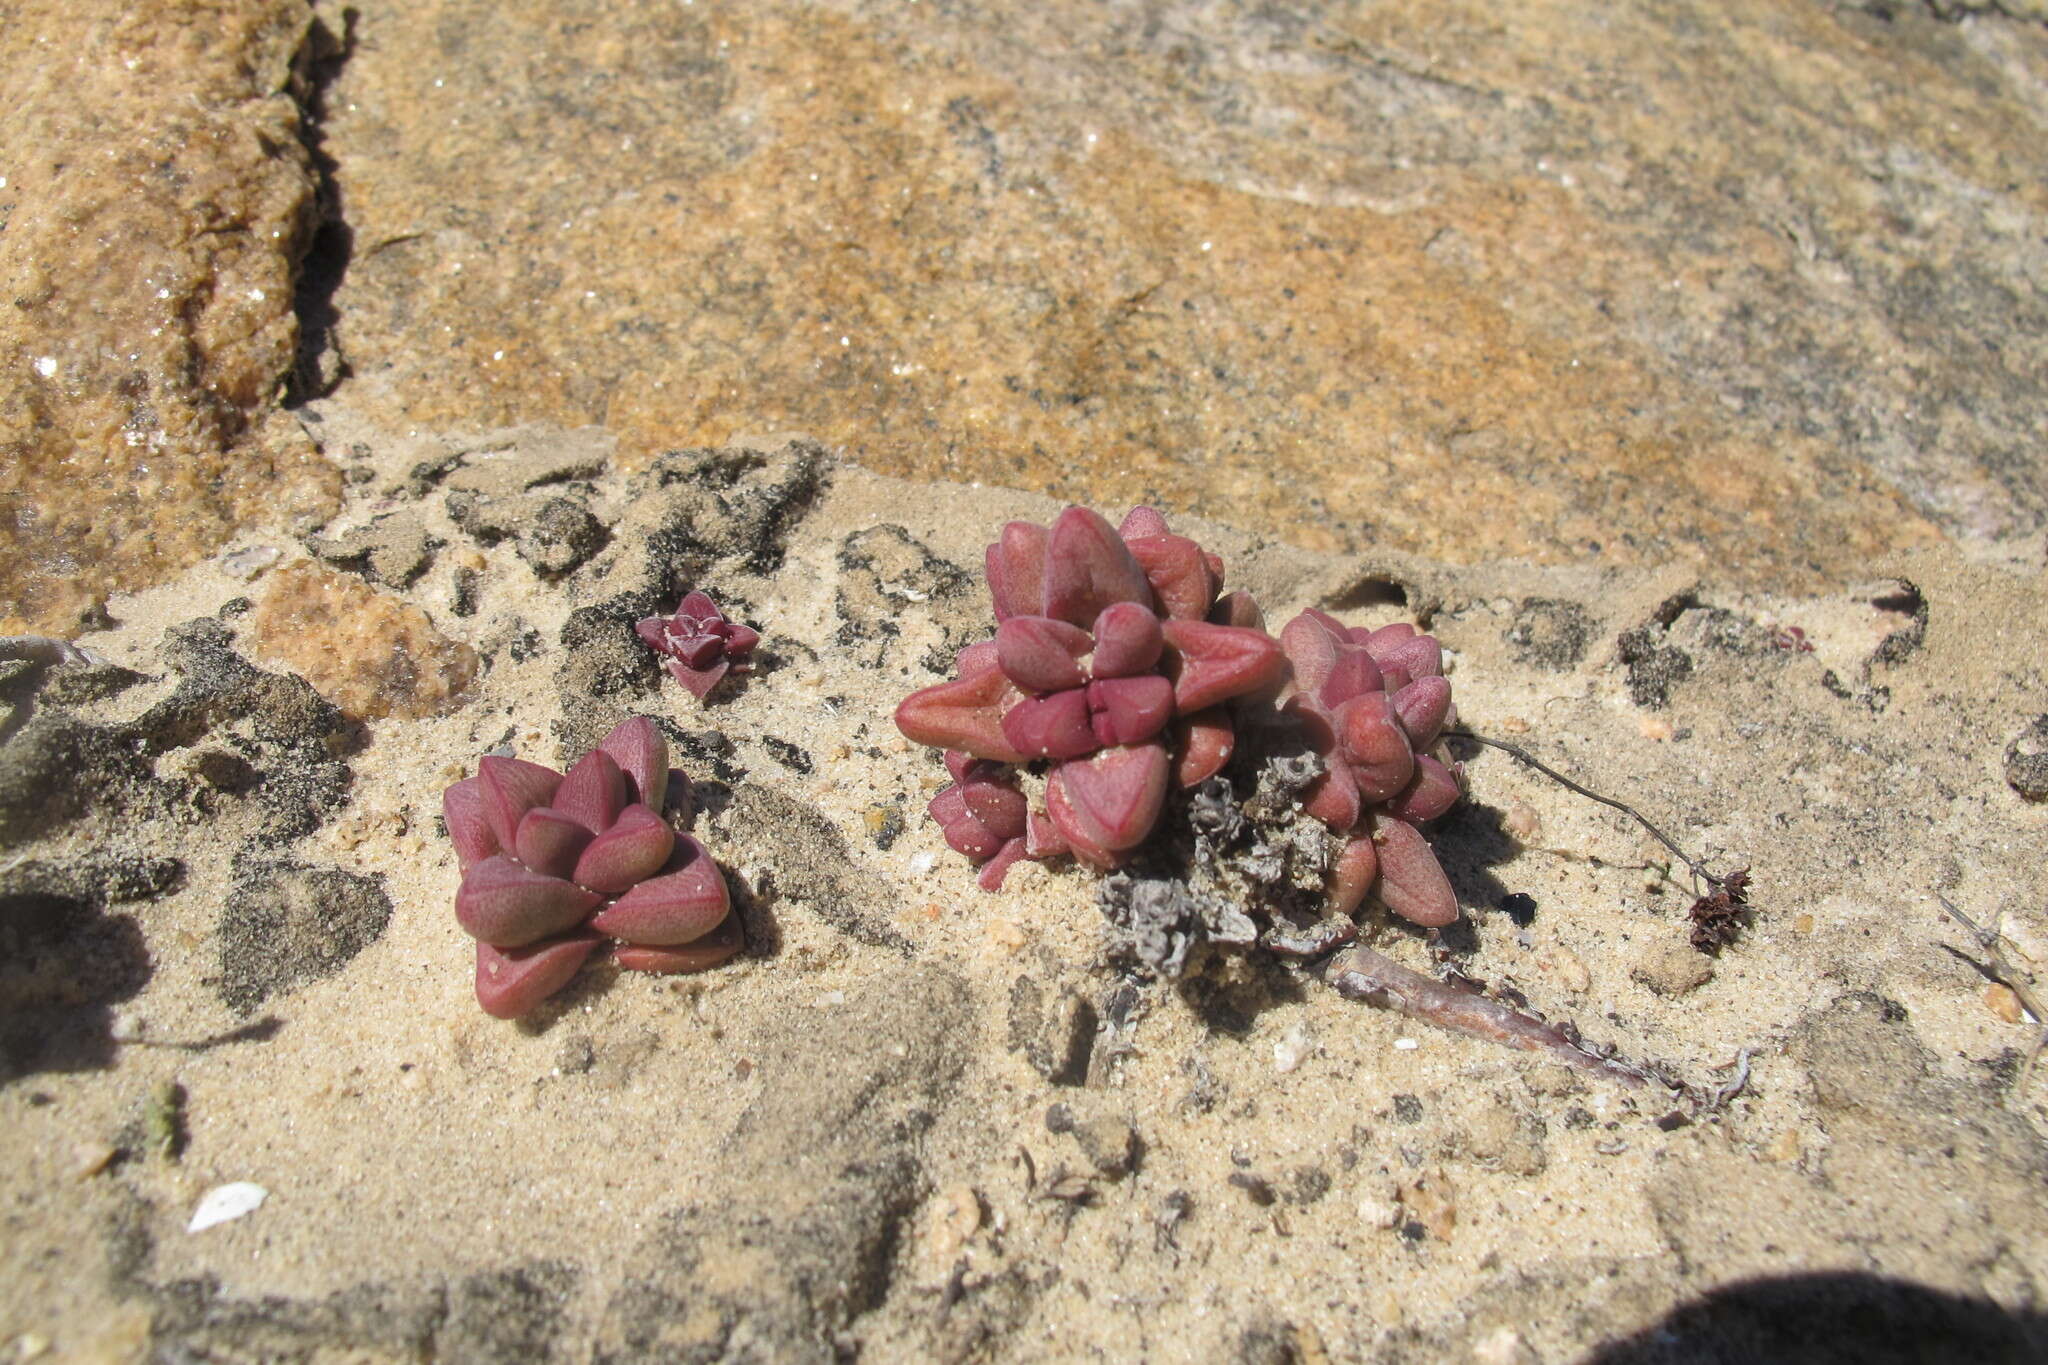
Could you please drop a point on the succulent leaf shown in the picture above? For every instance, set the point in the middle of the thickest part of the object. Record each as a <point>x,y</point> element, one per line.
<point>510,787</point>
<point>966,714</point>
<point>512,981</point>
<point>1088,567</point>
<point>1129,710</point>
<point>1128,641</point>
<point>1016,570</point>
<point>1057,726</point>
<point>637,747</point>
<point>633,849</point>
<point>682,904</point>
<point>698,955</point>
<point>1041,654</point>
<point>1215,663</point>
<point>593,793</point>
<point>1412,881</point>
<point>1113,799</point>
<point>1372,739</point>
<point>549,842</point>
<point>462,810</point>
<point>508,905</point>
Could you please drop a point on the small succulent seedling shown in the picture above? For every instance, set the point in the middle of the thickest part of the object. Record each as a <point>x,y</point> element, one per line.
<point>555,865</point>
<point>700,644</point>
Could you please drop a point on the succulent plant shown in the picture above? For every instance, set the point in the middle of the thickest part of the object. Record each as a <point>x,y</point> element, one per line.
<point>554,865</point>
<point>1372,703</point>
<point>1115,661</point>
<point>701,645</point>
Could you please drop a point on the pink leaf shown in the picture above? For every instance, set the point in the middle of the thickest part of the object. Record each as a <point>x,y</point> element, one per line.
<point>1128,641</point>
<point>510,982</point>
<point>1353,876</point>
<point>1412,881</point>
<point>549,842</point>
<point>1423,706</point>
<point>1421,657</point>
<point>1178,572</point>
<point>1142,521</point>
<point>462,810</point>
<point>510,787</point>
<point>996,868</point>
<point>710,950</point>
<point>698,681</point>
<point>699,607</point>
<point>509,905</point>
<point>1129,710</point>
<point>1204,742</point>
<point>1433,790</point>
<point>1042,838</point>
<point>1237,609</point>
<point>1311,648</point>
<point>682,904</point>
<point>632,850</point>
<point>637,747</point>
<point>1016,570</point>
<point>1088,567</point>
<point>1114,798</point>
<point>998,805</point>
<point>1333,798</point>
<point>1051,727</point>
<point>1042,655</point>
<point>964,833</point>
<point>593,793</point>
<point>1376,745</point>
<point>1385,638</point>
<point>1352,672</point>
<point>965,714</point>
<point>1215,663</point>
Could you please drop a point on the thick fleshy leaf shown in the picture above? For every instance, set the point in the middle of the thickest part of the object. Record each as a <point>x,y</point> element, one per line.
<point>1357,866</point>
<point>698,681</point>
<point>1142,521</point>
<point>1352,673</point>
<point>698,606</point>
<point>965,714</point>
<point>637,747</point>
<point>653,632</point>
<point>509,905</point>
<point>1333,797</point>
<point>1042,655</point>
<point>684,903</point>
<point>1057,726</point>
<point>1433,790</point>
<point>1202,744</point>
<point>1387,637</point>
<point>713,948</point>
<point>1412,882</point>
<point>1128,641</point>
<point>462,810</point>
<point>1070,830</point>
<point>958,761</point>
<point>1129,710</point>
<point>740,641</point>
<point>998,805</point>
<point>1311,648</point>
<point>1375,744</point>
<point>510,982</point>
<point>976,659</point>
<point>1115,797</point>
<point>1210,664</point>
<point>633,849</point>
<point>1423,706</point>
<point>1179,574</point>
<point>1421,657</point>
<point>593,793</point>
<point>549,842</point>
<point>1042,838</point>
<point>1016,570</point>
<point>964,834</point>
<point>1088,567</point>
<point>990,878</point>
<point>510,787</point>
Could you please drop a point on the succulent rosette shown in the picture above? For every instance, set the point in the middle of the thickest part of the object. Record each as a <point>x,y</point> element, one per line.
<point>700,644</point>
<point>1373,703</point>
<point>554,865</point>
<point>1115,661</point>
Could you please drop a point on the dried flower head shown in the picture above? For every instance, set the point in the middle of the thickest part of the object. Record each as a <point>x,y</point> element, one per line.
<point>555,864</point>
<point>701,645</point>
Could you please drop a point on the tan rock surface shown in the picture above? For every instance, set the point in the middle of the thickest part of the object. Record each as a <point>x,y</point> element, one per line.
<point>368,652</point>
<point>156,204</point>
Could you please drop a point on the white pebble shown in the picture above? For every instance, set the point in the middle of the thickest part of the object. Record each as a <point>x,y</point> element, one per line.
<point>1406,1044</point>
<point>1292,1047</point>
<point>225,1203</point>
<point>921,863</point>
<point>46,366</point>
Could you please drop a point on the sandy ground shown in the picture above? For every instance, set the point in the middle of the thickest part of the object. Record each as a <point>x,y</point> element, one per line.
<point>917,1121</point>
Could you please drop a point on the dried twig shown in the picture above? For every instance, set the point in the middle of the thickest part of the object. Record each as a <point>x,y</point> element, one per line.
<point>2002,971</point>
<point>1359,973</point>
<point>1696,866</point>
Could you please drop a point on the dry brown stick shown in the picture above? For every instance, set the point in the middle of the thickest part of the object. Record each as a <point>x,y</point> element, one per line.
<point>1359,973</point>
<point>2002,972</point>
<point>1696,866</point>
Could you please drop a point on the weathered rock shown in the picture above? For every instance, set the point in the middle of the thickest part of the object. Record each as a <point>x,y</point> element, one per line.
<point>371,654</point>
<point>1672,967</point>
<point>392,550</point>
<point>157,201</point>
<point>2026,761</point>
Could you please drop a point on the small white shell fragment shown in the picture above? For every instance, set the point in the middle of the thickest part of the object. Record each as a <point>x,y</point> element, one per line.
<point>225,1203</point>
<point>1292,1047</point>
<point>1406,1044</point>
<point>921,863</point>
<point>246,564</point>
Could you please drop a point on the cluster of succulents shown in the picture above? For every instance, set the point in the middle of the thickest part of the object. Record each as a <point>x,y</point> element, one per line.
<point>556,865</point>
<point>1120,667</point>
<point>1115,662</point>
<point>700,644</point>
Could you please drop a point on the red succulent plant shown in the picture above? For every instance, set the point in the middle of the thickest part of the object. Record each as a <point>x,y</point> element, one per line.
<point>701,645</point>
<point>1114,660</point>
<point>554,865</point>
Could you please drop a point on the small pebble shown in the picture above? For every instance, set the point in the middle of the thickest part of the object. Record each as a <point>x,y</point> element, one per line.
<point>1513,725</point>
<point>1656,727</point>
<point>829,1000</point>
<point>225,1203</point>
<point>1006,934</point>
<point>246,564</point>
<point>2004,1002</point>
<point>1522,822</point>
<point>31,1346</point>
<point>1673,968</point>
<point>1802,924</point>
<point>1406,1044</point>
<point>1571,973</point>
<point>1503,1346</point>
<point>921,863</point>
<point>1292,1047</point>
<point>955,1217</point>
<point>1783,1147</point>
<point>88,1159</point>
<point>125,1027</point>
<point>1379,1211</point>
